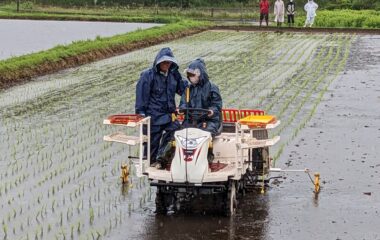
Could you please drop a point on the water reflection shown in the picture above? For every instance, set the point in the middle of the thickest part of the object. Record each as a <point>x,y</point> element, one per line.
<point>250,222</point>
<point>316,199</point>
<point>27,36</point>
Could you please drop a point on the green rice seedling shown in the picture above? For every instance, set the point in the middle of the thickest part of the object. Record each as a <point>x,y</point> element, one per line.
<point>93,181</point>
<point>72,231</point>
<point>61,219</point>
<point>79,226</point>
<point>110,225</point>
<point>92,216</point>
<point>68,214</point>
<point>116,220</point>
<point>41,232</point>
<point>98,235</point>
<point>78,207</point>
<point>37,220</point>
<point>63,233</point>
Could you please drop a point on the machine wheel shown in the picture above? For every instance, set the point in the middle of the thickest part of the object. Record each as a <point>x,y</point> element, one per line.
<point>231,201</point>
<point>161,203</point>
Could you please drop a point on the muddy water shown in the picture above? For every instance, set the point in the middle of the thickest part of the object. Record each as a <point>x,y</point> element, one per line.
<point>341,142</point>
<point>20,37</point>
<point>58,179</point>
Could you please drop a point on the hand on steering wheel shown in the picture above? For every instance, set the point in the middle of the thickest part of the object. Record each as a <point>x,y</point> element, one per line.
<point>196,113</point>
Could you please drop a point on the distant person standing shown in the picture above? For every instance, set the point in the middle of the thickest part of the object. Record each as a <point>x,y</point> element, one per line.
<point>310,8</point>
<point>264,11</point>
<point>279,12</point>
<point>290,10</point>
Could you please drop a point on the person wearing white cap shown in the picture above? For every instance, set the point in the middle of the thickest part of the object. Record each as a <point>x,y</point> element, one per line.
<point>310,8</point>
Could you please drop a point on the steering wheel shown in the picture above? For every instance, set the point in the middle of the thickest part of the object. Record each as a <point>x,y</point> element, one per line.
<point>195,113</point>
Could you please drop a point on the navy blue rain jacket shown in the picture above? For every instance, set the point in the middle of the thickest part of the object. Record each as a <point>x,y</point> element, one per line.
<point>155,92</point>
<point>205,95</point>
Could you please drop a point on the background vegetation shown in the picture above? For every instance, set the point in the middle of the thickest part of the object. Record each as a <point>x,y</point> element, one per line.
<point>341,18</point>
<point>348,18</point>
<point>327,4</point>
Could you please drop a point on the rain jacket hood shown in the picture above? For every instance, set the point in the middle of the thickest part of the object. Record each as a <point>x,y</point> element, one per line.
<point>199,66</point>
<point>204,95</point>
<point>165,54</point>
<point>155,92</point>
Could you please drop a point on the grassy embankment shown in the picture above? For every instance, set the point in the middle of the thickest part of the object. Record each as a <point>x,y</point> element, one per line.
<point>18,69</point>
<point>148,14</point>
<point>28,11</point>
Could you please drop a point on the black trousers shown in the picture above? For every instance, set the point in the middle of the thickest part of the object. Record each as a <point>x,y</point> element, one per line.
<point>290,18</point>
<point>160,136</point>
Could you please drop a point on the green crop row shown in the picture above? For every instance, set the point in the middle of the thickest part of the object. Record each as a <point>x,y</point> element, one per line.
<point>344,19</point>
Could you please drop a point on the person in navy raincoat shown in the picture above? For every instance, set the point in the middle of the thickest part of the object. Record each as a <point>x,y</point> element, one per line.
<point>203,94</point>
<point>155,97</point>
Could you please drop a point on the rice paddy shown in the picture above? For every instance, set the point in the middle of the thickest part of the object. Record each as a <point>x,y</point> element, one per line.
<point>59,180</point>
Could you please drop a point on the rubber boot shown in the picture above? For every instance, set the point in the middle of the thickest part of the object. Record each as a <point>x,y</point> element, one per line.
<point>166,155</point>
<point>210,155</point>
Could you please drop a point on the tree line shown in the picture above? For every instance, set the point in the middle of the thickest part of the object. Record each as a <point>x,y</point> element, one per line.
<point>326,4</point>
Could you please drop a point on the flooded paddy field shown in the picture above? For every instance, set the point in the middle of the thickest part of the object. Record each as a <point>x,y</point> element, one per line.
<point>20,37</point>
<point>59,180</point>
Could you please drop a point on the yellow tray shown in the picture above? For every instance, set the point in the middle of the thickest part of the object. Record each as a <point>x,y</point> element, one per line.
<point>258,121</point>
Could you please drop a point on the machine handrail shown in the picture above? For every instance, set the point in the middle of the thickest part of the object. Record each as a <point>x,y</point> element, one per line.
<point>231,115</point>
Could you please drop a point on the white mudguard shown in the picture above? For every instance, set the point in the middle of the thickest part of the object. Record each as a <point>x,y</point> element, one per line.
<point>190,160</point>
